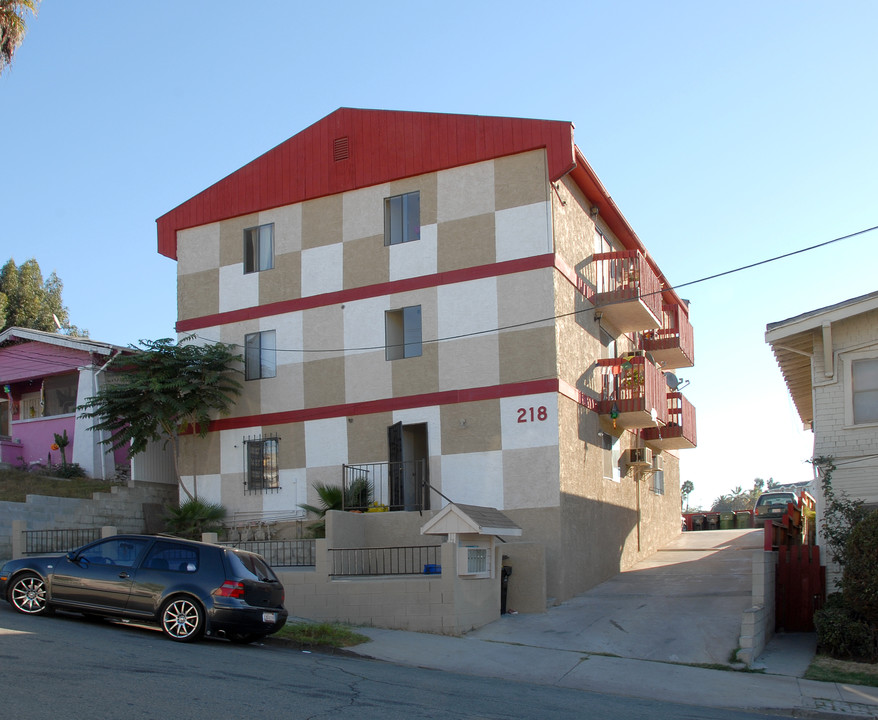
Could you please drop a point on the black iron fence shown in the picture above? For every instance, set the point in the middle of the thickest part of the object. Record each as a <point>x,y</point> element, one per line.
<point>413,560</point>
<point>386,486</point>
<point>38,542</point>
<point>280,553</point>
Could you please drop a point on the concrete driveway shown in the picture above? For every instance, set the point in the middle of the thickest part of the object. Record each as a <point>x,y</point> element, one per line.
<point>681,605</point>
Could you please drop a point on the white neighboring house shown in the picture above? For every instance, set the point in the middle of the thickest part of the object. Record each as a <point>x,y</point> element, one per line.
<point>829,360</point>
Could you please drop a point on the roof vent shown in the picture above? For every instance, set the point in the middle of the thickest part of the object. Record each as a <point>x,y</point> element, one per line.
<point>341,149</point>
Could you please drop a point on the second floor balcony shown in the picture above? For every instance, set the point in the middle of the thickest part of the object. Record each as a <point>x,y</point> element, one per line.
<point>633,393</point>
<point>673,344</point>
<point>626,291</point>
<point>679,433</point>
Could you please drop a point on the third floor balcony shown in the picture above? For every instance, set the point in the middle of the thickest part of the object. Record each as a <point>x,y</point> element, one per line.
<point>627,292</point>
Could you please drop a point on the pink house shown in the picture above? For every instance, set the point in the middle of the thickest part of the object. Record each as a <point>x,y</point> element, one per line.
<point>44,377</point>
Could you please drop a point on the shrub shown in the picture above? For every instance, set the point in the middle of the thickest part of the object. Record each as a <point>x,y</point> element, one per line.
<point>860,582</point>
<point>195,517</point>
<point>844,634</point>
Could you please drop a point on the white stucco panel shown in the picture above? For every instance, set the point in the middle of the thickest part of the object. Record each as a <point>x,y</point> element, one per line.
<point>208,487</point>
<point>198,249</point>
<point>430,416</point>
<point>322,269</point>
<point>232,448</point>
<point>237,289</point>
<point>416,258</point>
<point>293,492</point>
<point>468,307</point>
<point>287,227</point>
<point>523,231</point>
<point>326,442</point>
<point>289,336</point>
<point>465,191</point>
<point>364,324</point>
<point>529,421</point>
<point>474,478</point>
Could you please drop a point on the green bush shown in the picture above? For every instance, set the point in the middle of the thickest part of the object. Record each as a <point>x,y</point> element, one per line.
<point>860,581</point>
<point>843,633</point>
<point>195,517</point>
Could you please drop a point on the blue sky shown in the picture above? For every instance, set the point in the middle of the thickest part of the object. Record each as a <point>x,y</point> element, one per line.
<point>727,133</point>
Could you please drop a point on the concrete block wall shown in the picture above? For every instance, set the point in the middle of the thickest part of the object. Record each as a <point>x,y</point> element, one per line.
<point>757,622</point>
<point>444,604</point>
<point>122,507</point>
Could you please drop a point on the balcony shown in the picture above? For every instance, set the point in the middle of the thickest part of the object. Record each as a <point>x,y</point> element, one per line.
<point>679,433</point>
<point>673,344</point>
<point>391,486</point>
<point>633,393</point>
<point>626,291</point>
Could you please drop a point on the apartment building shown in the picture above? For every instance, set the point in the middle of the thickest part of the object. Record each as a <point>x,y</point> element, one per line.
<point>438,309</point>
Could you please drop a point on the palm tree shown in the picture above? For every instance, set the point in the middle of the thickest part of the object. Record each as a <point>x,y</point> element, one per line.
<point>333,497</point>
<point>686,490</point>
<point>13,27</point>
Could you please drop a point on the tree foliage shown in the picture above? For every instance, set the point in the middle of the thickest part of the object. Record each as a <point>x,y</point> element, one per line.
<point>333,497</point>
<point>686,489</point>
<point>13,27</point>
<point>740,499</point>
<point>840,515</point>
<point>194,517</point>
<point>166,388</point>
<point>27,301</point>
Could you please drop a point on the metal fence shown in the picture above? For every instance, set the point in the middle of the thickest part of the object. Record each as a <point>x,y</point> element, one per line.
<point>413,560</point>
<point>37,542</point>
<point>280,553</point>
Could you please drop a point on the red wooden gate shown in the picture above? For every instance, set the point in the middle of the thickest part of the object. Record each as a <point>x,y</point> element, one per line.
<point>799,587</point>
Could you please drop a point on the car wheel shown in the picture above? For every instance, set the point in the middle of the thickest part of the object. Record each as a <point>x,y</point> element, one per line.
<point>28,595</point>
<point>182,619</point>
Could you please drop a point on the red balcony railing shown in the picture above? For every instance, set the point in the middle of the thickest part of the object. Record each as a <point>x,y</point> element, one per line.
<point>673,344</point>
<point>679,433</point>
<point>633,392</point>
<point>627,291</point>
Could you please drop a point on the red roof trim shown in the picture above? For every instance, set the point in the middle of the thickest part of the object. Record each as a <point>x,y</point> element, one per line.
<point>385,145</point>
<point>369,291</point>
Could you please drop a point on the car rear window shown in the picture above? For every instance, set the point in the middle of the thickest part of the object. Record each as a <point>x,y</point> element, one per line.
<point>776,499</point>
<point>249,566</point>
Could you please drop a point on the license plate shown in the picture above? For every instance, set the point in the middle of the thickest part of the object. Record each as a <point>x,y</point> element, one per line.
<point>269,617</point>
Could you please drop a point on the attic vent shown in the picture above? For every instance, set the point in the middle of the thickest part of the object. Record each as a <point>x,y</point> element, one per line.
<point>340,149</point>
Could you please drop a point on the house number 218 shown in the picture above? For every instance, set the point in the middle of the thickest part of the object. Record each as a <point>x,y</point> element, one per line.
<point>531,414</point>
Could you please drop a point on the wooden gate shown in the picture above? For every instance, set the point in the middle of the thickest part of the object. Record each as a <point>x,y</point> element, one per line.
<point>800,587</point>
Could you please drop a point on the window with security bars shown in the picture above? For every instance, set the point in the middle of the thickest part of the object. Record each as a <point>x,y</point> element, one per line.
<point>260,459</point>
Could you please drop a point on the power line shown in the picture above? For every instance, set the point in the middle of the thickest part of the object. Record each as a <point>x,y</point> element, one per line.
<point>573,313</point>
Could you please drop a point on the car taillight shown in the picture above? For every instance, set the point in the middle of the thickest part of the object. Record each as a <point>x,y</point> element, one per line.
<point>231,589</point>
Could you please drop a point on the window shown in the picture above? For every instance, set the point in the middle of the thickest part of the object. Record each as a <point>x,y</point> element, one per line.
<point>260,457</point>
<point>402,218</point>
<point>864,381</point>
<point>403,333</point>
<point>260,355</point>
<point>172,556</point>
<point>60,395</point>
<point>115,551</point>
<point>259,248</point>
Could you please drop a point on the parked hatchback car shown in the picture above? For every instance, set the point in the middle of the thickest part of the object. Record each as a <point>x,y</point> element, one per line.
<point>774,504</point>
<point>188,588</point>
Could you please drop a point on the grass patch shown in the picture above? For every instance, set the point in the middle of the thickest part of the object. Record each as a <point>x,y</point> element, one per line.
<point>16,485</point>
<point>327,634</point>
<point>827,669</point>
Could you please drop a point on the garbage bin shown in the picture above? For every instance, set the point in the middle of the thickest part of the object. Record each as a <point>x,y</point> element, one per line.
<point>713,522</point>
<point>727,521</point>
<point>743,519</point>
<point>698,522</point>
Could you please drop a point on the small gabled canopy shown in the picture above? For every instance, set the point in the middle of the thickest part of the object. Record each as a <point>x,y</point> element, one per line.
<point>457,519</point>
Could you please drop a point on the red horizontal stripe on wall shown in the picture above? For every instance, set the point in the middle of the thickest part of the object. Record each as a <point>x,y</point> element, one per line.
<point>448,397</point>
<point>369,291</point>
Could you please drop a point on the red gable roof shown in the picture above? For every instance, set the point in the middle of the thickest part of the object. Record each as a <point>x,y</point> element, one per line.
<point>352,148</point>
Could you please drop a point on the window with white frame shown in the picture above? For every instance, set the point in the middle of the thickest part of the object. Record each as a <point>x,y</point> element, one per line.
<point>864,388</point>
<point>402,218</point>
<point>260,458</point>
<point>402,333</point>
<point>260,355</point>
<point>474,558</point>
<point>259,248</point>
<point>658,474</point>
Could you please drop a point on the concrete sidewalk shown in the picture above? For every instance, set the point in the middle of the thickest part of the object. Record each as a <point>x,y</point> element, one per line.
<point>641,634</point>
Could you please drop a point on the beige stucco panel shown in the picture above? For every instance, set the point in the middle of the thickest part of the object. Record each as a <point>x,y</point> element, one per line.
<point>367,437</point>
<point>368,376</point>
<point>469,362</point>
<point>287,227</point>
<point>427,186</point>
<point>471,427</point>
<point>198,294</point>
<point>526,355</point>
<point>284,281</point>
<point>466,243</point>
<point>322,221</point>
<point>324,382</point>
<point>200,455</point>
<point>416,375</point>
<point>530,478</point>
<point>323,330</point>
<point>521,179</point>
<point>366,262</point>
<point>466,191</point>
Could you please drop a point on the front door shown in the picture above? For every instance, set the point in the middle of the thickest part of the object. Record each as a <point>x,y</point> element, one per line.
<point>408,453</point>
